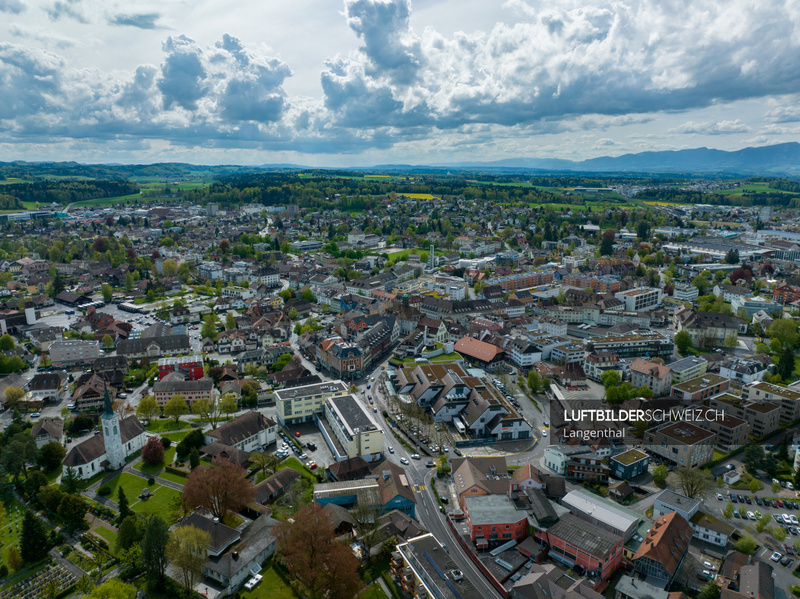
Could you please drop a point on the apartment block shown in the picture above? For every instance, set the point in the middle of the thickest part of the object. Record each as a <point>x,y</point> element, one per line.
<point>301,404</point>
<point>701,387</point>
<point>762,417</point>
<point>73,352</point>
<point>681,443</point>
<point>786,398</point>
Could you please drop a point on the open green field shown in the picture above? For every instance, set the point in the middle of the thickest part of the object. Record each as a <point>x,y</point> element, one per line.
<point>169,456</point>
<point>176,437</point>
<point>167,424</point>
<point>755,188</point>
<point>163,500</point>
<point>178,479</point>
<point>11,523</point>
<point>109,535</point>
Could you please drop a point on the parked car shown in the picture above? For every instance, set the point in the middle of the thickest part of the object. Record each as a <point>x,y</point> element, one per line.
<point>775,557</point>
<point>404,461</point>
<point>415,456</point>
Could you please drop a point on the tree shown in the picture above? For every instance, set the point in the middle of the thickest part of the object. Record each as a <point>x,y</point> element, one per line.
<point>16,454</point>
<point>683,341</point>
<point>762,522</point>
<point>148,408</point>
<point>13,396</point>
<point>293,313</point>
<point>14,559</point>
<point>746,545</point>
<point>208,409</point>
<point>230,321</point>
<point>35,481</point>
<point>154,547</point>
<point>610,378</point>
<point>209,328</point>
<point>728,510</point>
<point>51,455</point>
<point>786,362</point>
<point>228,404</point>
<point>58,284</point>
<point>169,268</point>
<point>753,458</point>
<point>702,283</point>
<point>153,452</point>
<point>107,292</point>
<point>660,474</point>
<point>72,511</point>
<point>6,342</point>
<point>785,331</point>
<point>176,407</point>
<point>187,550</point>
<point>711,590</point>
<point>265,462</point>
<point>70,481</point>
<point>194,458</point>
<point>123,507</point>
<point>34,540</point>
<point>755,486</point>
<point>107,343</point>
<point>309,550</point>
<point>732,257</point>
<point>694,482</point>
<point>224,246</point>
<point>281,362</point>
<point>220,487</point>
<point>128,282</point>
<point>770,464</point>
<point>607,243</point>
<point>308,295</point>
<point>114,589</point>
<point>194,440</point>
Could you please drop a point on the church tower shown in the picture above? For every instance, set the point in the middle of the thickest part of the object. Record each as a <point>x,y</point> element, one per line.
<point>112,437</point>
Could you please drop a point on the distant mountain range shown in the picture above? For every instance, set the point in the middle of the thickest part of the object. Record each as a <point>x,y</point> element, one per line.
<point>776,160</point>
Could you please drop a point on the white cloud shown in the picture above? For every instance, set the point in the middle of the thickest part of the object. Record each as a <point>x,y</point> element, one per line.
<point>709,128</point>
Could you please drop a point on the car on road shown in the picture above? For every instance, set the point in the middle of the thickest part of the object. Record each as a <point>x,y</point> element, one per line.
<point>415,456</point>
<point>404,461</point>
<point>544,433</point>
<point>36,414</point>
<point>391,449</point>
<point>457,451</point>
<point>122,395</point>
<point>430,464</point>
<point>775,557</point>
<point>719,496</point>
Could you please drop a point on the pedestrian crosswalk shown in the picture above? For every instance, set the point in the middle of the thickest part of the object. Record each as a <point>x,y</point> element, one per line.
<point>419,488</point>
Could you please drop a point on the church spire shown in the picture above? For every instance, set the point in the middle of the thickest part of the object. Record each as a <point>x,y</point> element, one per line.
<point>107,401</point>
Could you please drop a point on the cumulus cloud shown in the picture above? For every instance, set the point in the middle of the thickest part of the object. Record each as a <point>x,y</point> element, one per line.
<point>67,9</point>
<point>183,77</point>
<point>712,128</point>
<point>12,6</point>
<point>140,21</point>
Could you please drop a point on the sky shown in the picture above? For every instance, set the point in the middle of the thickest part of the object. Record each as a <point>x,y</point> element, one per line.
<point>366,82</point>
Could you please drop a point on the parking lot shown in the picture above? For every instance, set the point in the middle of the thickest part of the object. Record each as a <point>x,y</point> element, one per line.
<point>308,434</point>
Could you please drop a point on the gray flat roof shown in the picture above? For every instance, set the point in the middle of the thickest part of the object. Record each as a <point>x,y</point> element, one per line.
<point>584,535</point>
<point>312,390</point>
<point>352,413</point>
<point>493,509</point>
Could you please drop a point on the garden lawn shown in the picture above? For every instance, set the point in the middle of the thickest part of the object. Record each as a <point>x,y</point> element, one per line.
<point>271,587</point>
<point>295,464</point>
<point>130,483</point>
<point>374,591</point>
<point>176,437</point>
<point>157,426</point>
<point>109,535</point>
<point>178,479</point>
<point>164,502</point>
<point>169,456</point>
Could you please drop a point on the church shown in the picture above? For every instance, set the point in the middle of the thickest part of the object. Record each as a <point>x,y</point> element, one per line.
<point>108,448</point>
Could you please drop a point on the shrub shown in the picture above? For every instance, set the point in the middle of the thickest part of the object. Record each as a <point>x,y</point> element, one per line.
<point>166,442</point>
<point>151,481</point>
<point>153,452</point>
<point>105,490</point>
<point>3,571</point>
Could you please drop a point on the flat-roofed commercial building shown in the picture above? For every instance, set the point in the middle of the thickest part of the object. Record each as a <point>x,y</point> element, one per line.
<point>762,417</point>
<point>681,443</point>
<point>635,345</point>
<point>787,399</point>
<point>641,298</point>
<point>575,542</point>
<point>602,513</point>
<point>628,464</point>
<point>494,520</point>
<point>353,427</point>
<point>301,404</point>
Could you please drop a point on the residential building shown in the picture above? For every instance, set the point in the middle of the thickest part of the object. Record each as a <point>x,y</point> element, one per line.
<point>685,292</point>
<point>154,347</point>
<point>47,430</point>
<point>785,293</point>
<point>701,387</point>
<point>192,390</point>
<point>494,520</point>
<point>522,353</point>
<point>587,467</point>
<point>687,368</point>
<point>642,343</point>
<point>556,456</point>
<point>190,366</point>
<point>763,417</point>
<point>651,374</point>
<point>681,443</point>
<point>66,353</point>
<point>731,432</point>
<point>663,550</point>
<point>708,329</point>
<point>48,386</point>
<point>305,403</point>
<point>711,529</point>
<point>746,371</point>
<point>751,305</point>
<point>597,362</point>
<point>353,427</point>
<point>628,464</point>
<point>480,475</point>
<point>252,431</point>
<point>787,398</point>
